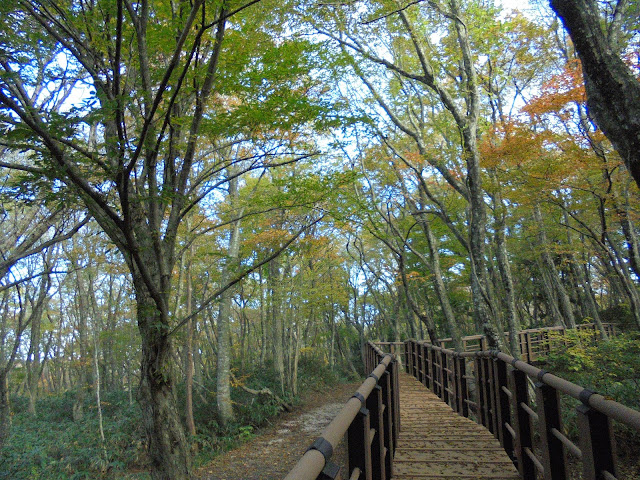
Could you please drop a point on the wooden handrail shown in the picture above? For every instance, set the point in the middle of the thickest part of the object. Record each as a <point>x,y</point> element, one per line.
<point>502,403</point>
<point>371,420</point>
<point>533,341</point>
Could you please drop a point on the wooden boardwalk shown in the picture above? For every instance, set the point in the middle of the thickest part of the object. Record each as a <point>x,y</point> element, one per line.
<point>437,443</point>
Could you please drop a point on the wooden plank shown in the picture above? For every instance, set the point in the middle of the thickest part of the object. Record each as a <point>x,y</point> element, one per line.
<point>436,443</point>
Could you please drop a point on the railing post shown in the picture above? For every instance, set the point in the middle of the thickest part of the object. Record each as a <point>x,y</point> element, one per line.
<point>387,418</point>
<point>463,395</point>
<point>359,445</point>
<point>485,392</point>
<point>554,457</point>
<point>406,356</point>
<point>453,381</point>
<point>437,372</point>
<point>503,412</point>
<point>480,400</point>
<point>396,402</point>
<point>418,361</point>
<point>444,377</point>
<point>493,395</point>
<point>412,364</point>
<point>522,424</point>
<point>423,365</point>
<point>431,369</point>
<point>374,405</point>
<point>394,407</point>
<point>597,443</point>
<point>455,384</point>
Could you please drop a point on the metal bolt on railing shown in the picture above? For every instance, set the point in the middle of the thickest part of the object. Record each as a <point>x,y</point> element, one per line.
<point>371,421</point>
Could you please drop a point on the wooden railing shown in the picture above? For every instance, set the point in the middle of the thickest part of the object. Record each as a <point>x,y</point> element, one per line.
<point>534,342</point>
<point>371,421</point>
<point>529,426</point>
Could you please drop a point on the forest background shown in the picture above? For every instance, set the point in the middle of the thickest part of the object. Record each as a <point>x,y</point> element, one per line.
<point>206,200</point>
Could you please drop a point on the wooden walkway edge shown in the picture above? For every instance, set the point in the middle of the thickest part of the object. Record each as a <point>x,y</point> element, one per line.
<point>437,443</point>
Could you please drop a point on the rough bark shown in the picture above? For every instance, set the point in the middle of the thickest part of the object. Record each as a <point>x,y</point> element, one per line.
<point>167,447</point>
<point>553,275</point>
<point>421,313</point>
<point>441,289</point>
<point>34,363</point>
<point>189,366</point>
<point>505,275</point>
<point>623,210</point>
<point>613,92</point>
<point>592,306</point>
<point>276,323</point>
<point>624,277</point>
<point>145,162</point>
<point>583,285</point>
<point>82,315</point>
<point>5,406</point>
<point>223,379</point>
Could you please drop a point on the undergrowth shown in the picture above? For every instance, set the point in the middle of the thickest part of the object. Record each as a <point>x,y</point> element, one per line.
<point>610,368</point>
<point>52,446</point>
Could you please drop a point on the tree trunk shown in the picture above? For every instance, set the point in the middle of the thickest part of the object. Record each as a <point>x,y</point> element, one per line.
<point>421,313</point>
<point>549,266</point>
<point>506,277</point>
<point>613,91</point>
<point>188,407</point>
<point>263,320</point>
<point>293,377</point>
<point>624,277</point>
<point>82,315</point>
<point>34,366</point>
<point>223,385</point>
<point>441,289</point>
<point>276,323</point>
<point>482,299</point>
<point>5,406</point>
<point>98,399</point>
<point>332,336</point>
<point>629,230</point>
<point>168,453</point>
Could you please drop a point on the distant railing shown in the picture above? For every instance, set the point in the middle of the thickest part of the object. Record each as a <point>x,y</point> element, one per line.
<point>371,420</point>
<point>534,342</point>
<point>503,404</point>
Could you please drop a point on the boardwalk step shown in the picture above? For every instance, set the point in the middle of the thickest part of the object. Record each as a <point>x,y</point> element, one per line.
<point>436,443</point>
<point>436,456</point>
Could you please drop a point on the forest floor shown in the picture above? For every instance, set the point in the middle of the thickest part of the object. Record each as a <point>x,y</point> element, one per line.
<point>276,448</point>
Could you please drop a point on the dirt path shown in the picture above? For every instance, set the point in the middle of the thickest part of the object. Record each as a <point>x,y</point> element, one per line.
<point>276,449</point>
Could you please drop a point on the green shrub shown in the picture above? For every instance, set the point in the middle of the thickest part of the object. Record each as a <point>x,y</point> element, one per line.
<point>53,446</point>
<point>610,368</point>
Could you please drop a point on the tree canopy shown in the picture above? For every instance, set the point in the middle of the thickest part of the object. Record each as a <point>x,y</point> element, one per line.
<point>194,192</point>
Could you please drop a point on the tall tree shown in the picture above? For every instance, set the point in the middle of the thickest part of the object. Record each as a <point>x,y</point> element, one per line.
<point>613,90</point>
<point>146,169</point>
